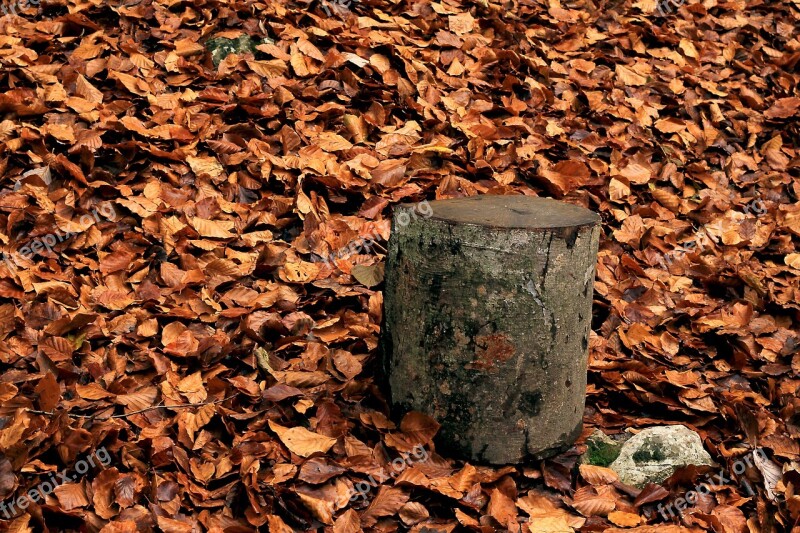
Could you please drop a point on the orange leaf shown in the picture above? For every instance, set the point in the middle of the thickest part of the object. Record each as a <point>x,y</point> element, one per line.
<point>589,503</point>
<point>388,501</point>
<point>619,518</point>
<point>301,441</point>
<point>71,496</point>
<point>217,229</point>
<point>419,427</point>
<point>502,509</point>
<point>598,475</point>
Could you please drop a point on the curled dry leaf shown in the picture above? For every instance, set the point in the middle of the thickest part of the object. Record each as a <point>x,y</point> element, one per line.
<point>769,470</point>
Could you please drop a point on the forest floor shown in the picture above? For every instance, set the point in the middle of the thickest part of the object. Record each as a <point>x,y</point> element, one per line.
<point>177,233</point>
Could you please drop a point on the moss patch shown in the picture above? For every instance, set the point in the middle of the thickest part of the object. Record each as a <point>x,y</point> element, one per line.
<point>601,452</point>
<point>649,453</point>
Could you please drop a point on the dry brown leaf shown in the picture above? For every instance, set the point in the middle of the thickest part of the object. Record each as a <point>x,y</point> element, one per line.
<point>217,229</point>
<point>387,502</point>
<point>588,502</point>
<point>623,519</point>
<point>628,76</point>
<point>598,475</point>
<point>301,441</point>
<point>348,522</point>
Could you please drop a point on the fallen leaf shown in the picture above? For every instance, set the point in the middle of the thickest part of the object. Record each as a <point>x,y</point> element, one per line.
<point>301,441</point>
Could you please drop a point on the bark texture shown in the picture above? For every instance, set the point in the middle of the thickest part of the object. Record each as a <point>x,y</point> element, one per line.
<point>487,313</point>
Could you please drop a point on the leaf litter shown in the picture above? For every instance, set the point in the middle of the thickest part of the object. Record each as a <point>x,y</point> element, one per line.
<point>231,373</point>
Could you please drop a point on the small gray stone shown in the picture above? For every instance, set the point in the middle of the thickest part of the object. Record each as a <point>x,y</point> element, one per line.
<point>655,453</point>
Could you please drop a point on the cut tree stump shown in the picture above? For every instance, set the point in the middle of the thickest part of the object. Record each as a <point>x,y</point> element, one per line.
<point>488,305</point>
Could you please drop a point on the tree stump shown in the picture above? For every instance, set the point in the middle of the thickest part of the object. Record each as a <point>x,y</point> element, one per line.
<point>488,306</point>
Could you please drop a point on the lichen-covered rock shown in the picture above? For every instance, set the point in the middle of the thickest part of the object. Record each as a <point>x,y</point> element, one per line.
<point>654,454</point>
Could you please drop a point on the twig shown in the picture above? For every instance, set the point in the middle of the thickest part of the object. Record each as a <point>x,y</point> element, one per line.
<point>52,413</point>
<point>146,409</point>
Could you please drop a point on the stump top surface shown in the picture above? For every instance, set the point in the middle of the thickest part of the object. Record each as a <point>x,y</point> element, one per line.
<point>523,212</point>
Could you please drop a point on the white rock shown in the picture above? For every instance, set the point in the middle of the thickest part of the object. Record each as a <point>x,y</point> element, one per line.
<point>654,454</point>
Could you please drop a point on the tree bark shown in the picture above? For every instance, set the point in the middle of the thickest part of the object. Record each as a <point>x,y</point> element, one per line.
<point>488,306</point>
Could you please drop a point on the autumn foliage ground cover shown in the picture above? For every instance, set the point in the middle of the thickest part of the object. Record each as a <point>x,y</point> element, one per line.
<point>218,190</point>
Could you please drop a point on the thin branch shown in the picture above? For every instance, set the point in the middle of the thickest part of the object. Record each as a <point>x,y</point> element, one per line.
<point>146,409</point>
<point>53,413</point>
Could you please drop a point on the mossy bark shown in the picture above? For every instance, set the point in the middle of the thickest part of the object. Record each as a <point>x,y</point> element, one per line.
<point>486,327</point>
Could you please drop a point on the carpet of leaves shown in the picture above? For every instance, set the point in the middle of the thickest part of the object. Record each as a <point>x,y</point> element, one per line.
<point>202,290</point>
